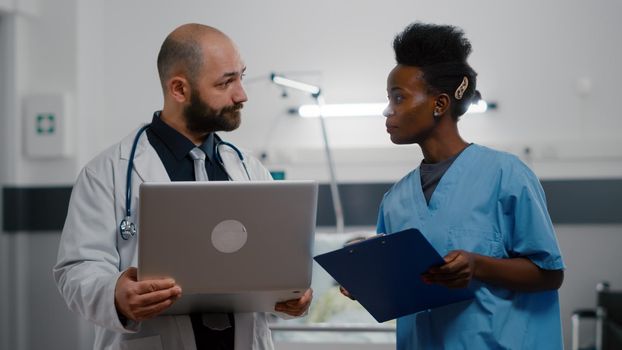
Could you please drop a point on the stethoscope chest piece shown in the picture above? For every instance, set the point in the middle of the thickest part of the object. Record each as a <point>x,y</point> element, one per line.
<point>127,228</point>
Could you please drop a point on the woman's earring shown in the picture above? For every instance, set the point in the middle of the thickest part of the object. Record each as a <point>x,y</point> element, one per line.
<point>436,115</point>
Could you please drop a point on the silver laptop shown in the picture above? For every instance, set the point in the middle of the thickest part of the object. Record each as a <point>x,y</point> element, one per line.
<point>231,246</point>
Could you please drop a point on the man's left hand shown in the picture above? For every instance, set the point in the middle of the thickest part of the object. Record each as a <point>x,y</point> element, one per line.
<point>296,307</point>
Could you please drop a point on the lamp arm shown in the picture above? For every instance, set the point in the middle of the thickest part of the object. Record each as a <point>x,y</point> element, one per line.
<point>334,190</point>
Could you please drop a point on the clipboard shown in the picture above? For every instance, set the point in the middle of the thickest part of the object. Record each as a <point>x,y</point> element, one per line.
<point>383,274</point>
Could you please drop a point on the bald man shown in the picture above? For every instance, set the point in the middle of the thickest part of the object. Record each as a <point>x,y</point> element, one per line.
<point>201,75</point>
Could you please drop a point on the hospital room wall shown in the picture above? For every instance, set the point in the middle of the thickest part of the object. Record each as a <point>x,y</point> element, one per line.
<point>556,89</point>
<point>38,55</point>
<point>556,85</point>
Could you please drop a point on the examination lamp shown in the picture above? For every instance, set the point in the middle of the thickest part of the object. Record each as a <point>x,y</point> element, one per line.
<point>286,82</point>
<point>316,93</point>
<point>367,109</point>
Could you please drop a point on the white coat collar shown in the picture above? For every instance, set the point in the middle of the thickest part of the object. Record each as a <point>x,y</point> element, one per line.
<point>232,163</point>
<point>147,163</point>
<point>149,167</point>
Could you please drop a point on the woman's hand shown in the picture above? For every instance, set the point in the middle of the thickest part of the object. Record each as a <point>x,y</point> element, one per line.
<point>457,272</point>
<point>517,274</point>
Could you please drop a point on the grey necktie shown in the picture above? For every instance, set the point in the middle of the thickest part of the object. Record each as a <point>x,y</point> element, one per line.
<point>198,156</point>
<point>217,321</point>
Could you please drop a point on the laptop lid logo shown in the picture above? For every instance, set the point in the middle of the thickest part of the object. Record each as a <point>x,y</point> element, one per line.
<point>229,236</point>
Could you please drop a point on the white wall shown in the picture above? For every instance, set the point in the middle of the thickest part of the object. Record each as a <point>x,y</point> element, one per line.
<point>6,5</point>
<point>37,55</point>
<point>533,69</point>
<point>26,7</point>
<point>8,293</point>
<point>44,55</point>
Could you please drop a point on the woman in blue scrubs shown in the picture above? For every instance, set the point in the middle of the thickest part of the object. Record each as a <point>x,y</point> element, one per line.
<point>483,209</point>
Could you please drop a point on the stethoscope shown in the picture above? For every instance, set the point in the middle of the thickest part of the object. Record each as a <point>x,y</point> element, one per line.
<point>127,228</point>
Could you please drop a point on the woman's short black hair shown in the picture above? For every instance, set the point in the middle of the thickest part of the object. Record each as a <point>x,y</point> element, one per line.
<point>440,52</point>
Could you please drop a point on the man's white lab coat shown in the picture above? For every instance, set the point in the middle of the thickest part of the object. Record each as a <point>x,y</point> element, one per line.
<point>92,253</point>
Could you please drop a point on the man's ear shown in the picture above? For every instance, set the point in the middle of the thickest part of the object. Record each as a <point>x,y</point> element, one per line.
<point>179,89</point>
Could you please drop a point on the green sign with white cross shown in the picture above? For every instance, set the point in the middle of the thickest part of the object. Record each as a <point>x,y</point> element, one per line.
<point>46,123</point>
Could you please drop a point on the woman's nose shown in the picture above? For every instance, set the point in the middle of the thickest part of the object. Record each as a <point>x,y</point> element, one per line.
<point>388,111</point>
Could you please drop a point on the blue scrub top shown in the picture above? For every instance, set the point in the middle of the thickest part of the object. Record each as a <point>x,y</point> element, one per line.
<point>489,203</point>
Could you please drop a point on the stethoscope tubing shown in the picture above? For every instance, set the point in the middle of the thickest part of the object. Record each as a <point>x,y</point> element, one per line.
<point>130,168</point>
<point>127,228</point>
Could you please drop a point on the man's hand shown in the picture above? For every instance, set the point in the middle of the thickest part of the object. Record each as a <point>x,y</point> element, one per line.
<point>457,271</point>
<point>143,300</point>
<point>346,293</point>
<point>296,307</point>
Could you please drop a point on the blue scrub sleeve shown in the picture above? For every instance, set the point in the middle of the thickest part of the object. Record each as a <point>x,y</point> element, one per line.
<point>533,236</point>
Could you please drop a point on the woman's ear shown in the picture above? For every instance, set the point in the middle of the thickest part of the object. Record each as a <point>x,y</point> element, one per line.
<point>179,89</point>
<point>441,104</point>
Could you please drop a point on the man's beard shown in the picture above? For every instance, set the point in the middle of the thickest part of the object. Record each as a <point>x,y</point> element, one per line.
<point>202,118</point>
